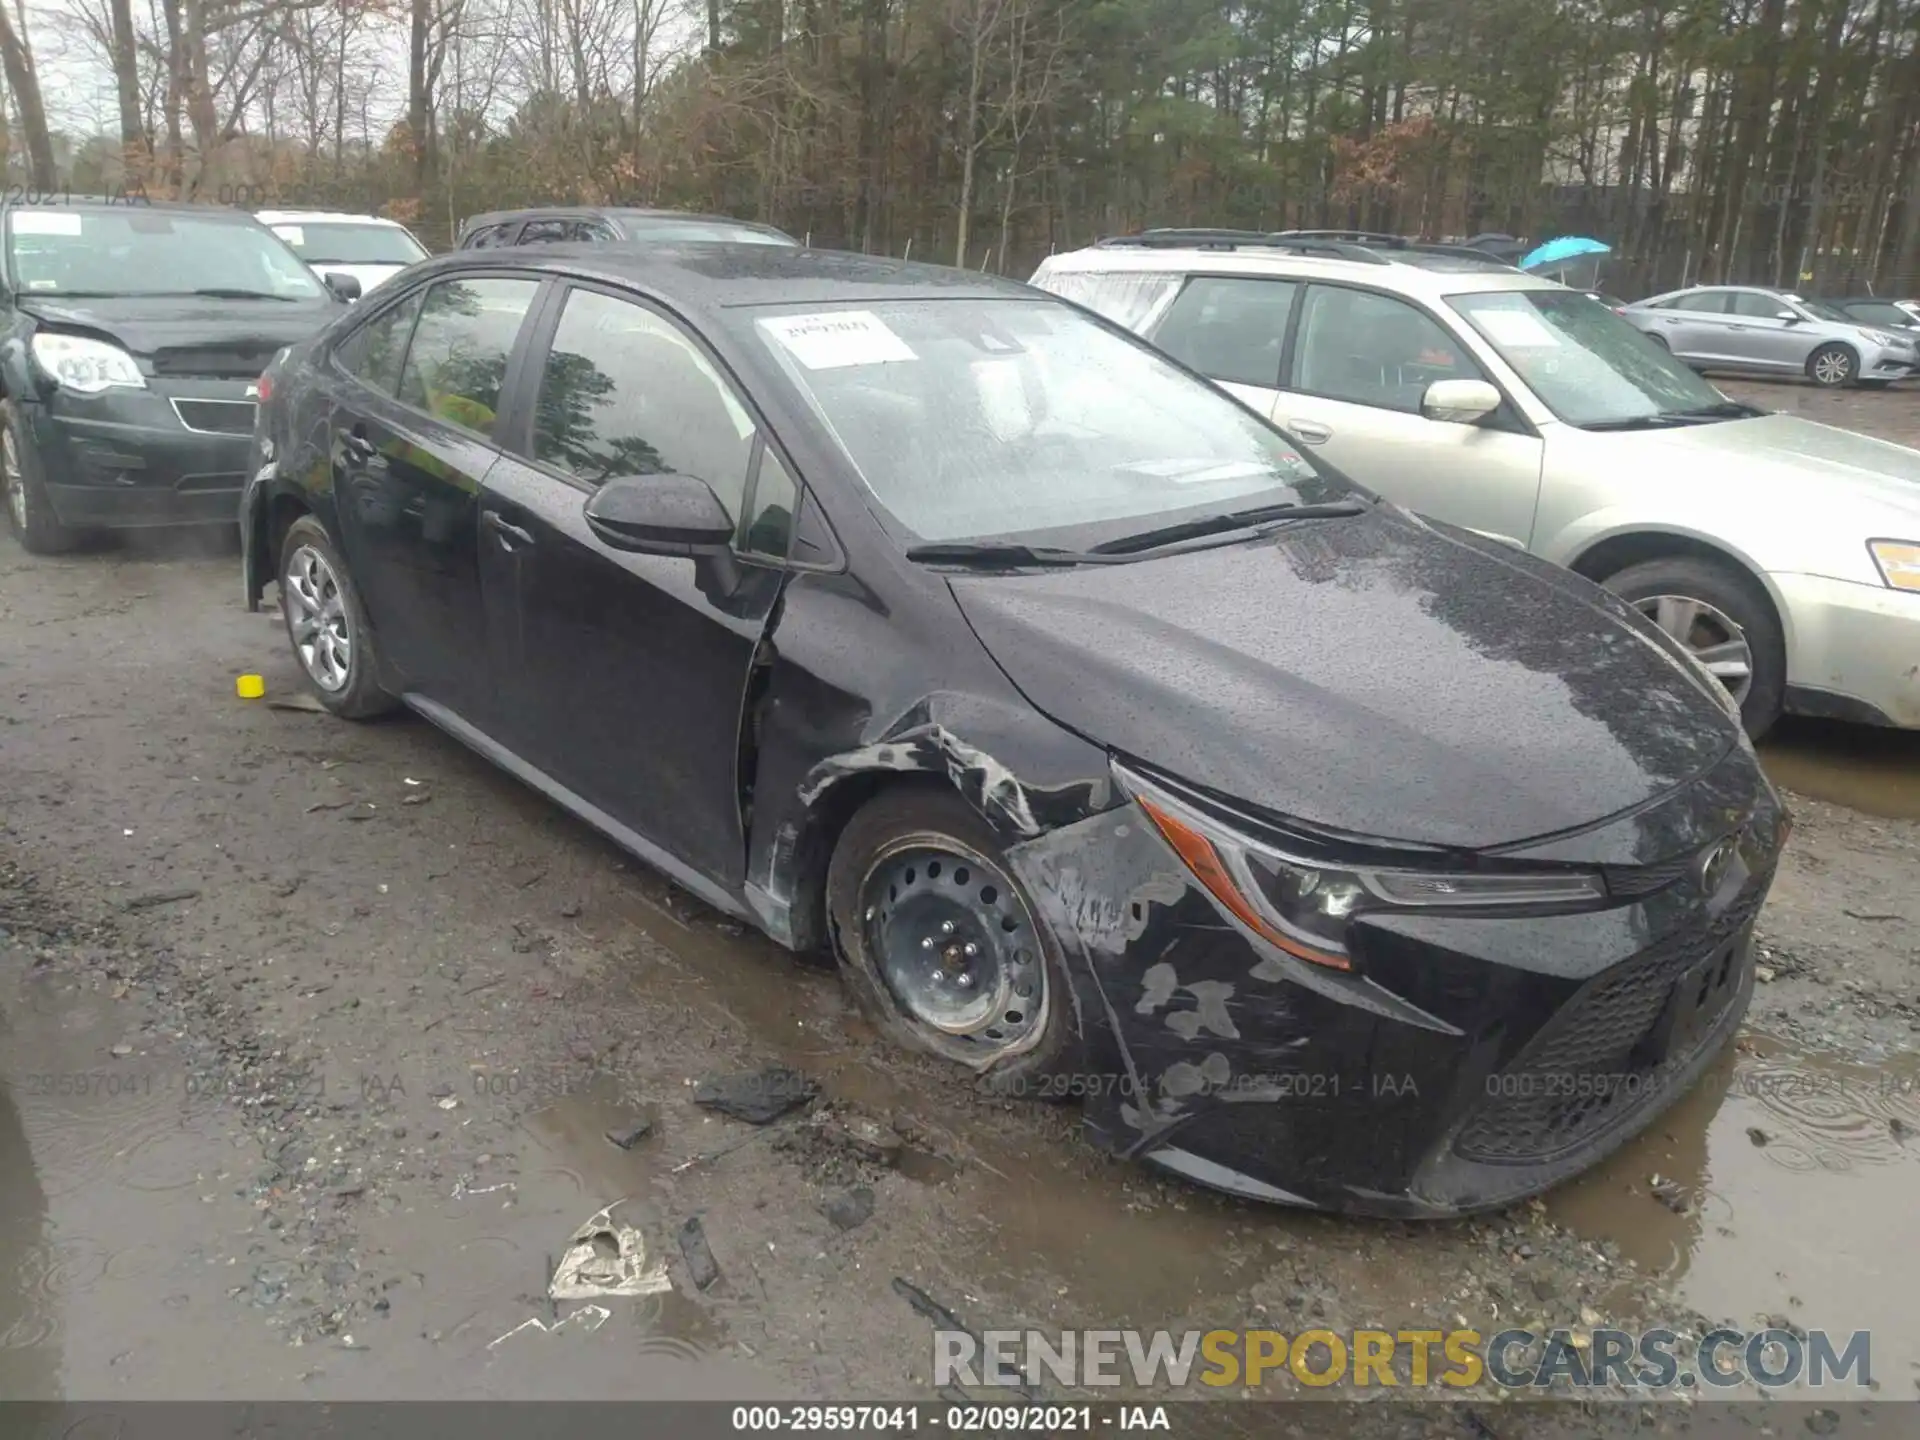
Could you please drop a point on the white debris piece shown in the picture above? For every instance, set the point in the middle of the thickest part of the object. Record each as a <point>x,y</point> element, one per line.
<point>606,1259</point>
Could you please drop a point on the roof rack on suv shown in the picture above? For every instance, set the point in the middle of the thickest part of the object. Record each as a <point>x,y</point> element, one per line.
<point>1380,240</point>
<point>1299,242</point>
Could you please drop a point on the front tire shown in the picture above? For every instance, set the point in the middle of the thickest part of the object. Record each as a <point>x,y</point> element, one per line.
<point>1833,367</point>
<point>327,625</point>
<point>29,513</point>
<point>942,947</point>
<point>1724,619</point>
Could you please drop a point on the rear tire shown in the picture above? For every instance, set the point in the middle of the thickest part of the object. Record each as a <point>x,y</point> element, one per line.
<point>1833,366</point>
<point>327,625</point>
<point>942,947</point>
<point>1724,599</point>
<point>29,513</point>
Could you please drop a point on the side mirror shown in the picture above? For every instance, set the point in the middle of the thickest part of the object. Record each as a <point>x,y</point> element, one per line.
<point>343,285</point>
<point>1459,402</point>
<point>1786,315</point>
<point>659,515</point>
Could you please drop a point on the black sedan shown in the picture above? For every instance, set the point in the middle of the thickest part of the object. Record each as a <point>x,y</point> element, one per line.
<point>1116,750</point>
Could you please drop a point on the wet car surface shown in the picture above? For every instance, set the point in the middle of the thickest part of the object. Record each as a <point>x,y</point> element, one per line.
<point>356,956</point>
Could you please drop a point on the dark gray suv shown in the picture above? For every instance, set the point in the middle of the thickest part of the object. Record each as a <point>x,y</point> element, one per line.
<point>610,225</point>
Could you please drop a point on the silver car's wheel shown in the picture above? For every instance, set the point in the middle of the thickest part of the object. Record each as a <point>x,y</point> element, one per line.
<point>317,619</point>
<point>1709,634</point>
<point>1832,366</point>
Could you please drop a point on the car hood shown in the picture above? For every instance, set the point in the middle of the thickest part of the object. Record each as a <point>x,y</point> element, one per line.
<point>147,325</point>
<point>1813,462</point>
<point>1375,676</point>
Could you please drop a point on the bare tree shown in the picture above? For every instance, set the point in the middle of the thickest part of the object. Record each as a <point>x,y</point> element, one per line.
<point>24,81</point>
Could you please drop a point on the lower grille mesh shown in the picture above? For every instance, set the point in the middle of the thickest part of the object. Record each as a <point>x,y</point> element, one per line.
<point>1591,1065</point>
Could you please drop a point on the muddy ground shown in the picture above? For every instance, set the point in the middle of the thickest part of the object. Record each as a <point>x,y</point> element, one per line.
<point>310,1035</point>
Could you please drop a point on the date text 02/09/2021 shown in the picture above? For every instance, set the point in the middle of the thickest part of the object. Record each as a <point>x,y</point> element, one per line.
<point>971,1419</point>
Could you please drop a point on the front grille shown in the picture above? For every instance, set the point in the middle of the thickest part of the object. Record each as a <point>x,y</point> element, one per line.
<point>220,417</point>
<point>1637,880</point>
<point>1602,1056</point>
<point>241,361</point>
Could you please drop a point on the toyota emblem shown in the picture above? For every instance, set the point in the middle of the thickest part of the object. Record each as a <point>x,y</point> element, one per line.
<point>1713,864</point>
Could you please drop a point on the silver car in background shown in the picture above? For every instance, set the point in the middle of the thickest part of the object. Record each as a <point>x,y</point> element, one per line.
<point>1784,555</point>
<point>1757,331</point>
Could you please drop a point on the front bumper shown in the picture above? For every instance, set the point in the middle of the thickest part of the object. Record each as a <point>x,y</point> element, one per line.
<point>128,459</point>
<point>1469,1062</point>
<point>1889,362</point>
<point>1854,652</point>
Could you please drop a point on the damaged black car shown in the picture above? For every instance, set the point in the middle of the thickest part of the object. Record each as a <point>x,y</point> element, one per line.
<point>1118,752</point>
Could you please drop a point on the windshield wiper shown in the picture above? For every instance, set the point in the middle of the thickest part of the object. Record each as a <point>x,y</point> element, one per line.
<point>996,556</point>
<point>1220,524</point>
<point>1670,419</point>
<point>220,292</point>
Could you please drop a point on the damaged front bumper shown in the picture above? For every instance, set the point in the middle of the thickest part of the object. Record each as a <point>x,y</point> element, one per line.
<point>1466,1061</point>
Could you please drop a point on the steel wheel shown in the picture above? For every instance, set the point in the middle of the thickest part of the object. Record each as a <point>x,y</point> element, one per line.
<point>13,480</point>
<point>954,944</point>
<point>1709,634</point>
<point>317,619</point>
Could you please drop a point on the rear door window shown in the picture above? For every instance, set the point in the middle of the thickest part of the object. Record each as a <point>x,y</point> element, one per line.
<point>1229,328</point>
<point>546,232</point>
<point>1707,302</point>
<point>492,236</point>
<point>372,353</point>
<point>458,359</point>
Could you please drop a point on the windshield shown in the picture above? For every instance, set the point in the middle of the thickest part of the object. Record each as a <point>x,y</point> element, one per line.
<point>1878,312</point>
<point>1586,364</point>
<point>150,252</point>
<point>704,230</point>
<point>336,243</point>
<point>1820,310</point>
<point>999,418</point>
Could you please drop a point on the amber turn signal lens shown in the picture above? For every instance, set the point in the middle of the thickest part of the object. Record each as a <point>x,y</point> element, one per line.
<point>1204,861</point>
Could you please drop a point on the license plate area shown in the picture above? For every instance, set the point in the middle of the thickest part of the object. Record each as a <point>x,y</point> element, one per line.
<point>1695,1004</point>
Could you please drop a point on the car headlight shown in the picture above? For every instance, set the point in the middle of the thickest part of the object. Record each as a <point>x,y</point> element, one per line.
<point>1899,562</point>
<point>89,366</point>
<point>1878,337</point>
<point>1305,906</point>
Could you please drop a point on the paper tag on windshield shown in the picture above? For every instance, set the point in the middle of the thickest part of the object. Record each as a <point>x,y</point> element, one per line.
<point>45,222</point>
<point>1519,328</point>
<point>292,234</point>
<point>837,338</point>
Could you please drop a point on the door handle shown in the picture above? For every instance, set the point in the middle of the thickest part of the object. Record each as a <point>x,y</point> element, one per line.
<point>509,533</point>
<point>1309,433</point>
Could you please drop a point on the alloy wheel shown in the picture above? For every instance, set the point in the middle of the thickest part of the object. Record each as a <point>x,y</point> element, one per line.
<point>317,619</point>
<point>1832,367</point>
<point>13,480</point>
<point>1709,634</point>
<point>955,945</point>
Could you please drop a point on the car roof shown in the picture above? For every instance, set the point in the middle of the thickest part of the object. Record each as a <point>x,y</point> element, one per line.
<point>612,212</point>
<point>141,204</point>
<point>716,275</point>
<point>323,217</point>
<point>1382,268</point>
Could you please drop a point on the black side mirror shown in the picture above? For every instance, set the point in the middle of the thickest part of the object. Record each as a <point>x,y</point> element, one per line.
<point>343,285</point>
<point>659,515</point>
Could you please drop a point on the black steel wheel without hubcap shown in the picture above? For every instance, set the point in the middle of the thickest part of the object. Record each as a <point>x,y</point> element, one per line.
<point>954,945</point>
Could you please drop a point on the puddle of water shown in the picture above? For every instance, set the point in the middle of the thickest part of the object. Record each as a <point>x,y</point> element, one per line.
<point>1869,769</point>
<point>1800,1175</point>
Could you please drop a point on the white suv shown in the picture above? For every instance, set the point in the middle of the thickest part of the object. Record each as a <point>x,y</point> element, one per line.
<point>1783,553</point>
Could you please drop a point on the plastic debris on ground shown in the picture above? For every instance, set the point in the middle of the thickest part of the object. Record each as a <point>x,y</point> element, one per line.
<point>603,1258</point>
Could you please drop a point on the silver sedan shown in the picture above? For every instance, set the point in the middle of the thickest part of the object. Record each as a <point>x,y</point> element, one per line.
<point>1759,331</point>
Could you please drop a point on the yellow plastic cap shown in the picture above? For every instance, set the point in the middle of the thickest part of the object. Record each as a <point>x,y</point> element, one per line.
<point>250,687</point>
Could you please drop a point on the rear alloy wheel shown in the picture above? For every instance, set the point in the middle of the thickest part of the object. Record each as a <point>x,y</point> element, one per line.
<point>326,624</point>
<point>1723,621</point>
<point>940,945</point>
<point>29,513</point>
<point>1832,366</point>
